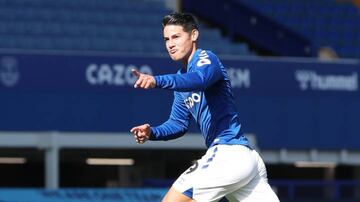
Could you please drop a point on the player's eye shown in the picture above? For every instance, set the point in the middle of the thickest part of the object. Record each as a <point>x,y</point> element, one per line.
<point>175,36</point>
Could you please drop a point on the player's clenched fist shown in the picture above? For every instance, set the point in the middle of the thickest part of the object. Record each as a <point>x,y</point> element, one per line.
<point>143,80</point>
<point>141,133</point>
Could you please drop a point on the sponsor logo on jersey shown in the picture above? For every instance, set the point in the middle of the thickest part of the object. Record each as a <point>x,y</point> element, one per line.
<point>190,101</point>
<point>203,59</point>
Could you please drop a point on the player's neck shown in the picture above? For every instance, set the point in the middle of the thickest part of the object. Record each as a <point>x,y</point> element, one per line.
<point>187,59</point>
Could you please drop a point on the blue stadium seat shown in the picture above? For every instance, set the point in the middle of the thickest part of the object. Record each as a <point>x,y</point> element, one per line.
<point>98,25</point>
<point>315,19</point>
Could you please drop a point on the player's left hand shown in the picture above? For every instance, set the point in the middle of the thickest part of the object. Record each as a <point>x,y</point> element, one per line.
<point>141,133</point>
<point>144,81</point>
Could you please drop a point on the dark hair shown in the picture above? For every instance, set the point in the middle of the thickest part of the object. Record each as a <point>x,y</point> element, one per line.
<point>186,20</point>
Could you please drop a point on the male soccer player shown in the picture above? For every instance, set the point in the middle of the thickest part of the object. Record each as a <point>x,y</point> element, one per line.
<point>230,168</point>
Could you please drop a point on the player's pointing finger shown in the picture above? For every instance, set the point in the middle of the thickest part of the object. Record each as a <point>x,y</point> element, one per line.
<point>135,73</point>
<point>134,129</point>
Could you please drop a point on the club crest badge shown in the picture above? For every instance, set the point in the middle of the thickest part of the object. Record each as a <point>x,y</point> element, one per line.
<point>9,72</point>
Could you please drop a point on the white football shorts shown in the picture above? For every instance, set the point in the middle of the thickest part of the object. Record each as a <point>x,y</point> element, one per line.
<point>232,171</point>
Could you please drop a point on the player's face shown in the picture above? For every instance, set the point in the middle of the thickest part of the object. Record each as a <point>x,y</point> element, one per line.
<point>179,44</point>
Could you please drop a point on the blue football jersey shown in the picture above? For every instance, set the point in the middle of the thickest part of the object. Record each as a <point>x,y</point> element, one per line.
<point>202,91</point>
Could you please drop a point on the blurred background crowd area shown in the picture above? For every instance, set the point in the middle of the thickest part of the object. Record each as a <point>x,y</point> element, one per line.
<point>134,26</point>
<point>67,102</point>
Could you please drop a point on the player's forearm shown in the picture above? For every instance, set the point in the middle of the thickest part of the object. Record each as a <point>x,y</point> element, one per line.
<point>186,82</point>
<point>178,82</point>
<point>167,131</point>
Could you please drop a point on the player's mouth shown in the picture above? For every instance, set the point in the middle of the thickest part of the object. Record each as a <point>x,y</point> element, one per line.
<point>172,51</point>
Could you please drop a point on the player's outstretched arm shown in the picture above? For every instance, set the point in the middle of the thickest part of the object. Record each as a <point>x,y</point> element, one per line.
<point>141,133</point>
<point>144,81</point>
<point>203,76</point>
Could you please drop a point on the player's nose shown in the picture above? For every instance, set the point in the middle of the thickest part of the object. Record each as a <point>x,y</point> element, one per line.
<point>171,44</point>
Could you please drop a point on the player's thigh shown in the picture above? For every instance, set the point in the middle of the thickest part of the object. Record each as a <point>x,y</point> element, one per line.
<point>175,196</point>
<point>222,172</point>
<point>259,192</point>
<point>258,189</point>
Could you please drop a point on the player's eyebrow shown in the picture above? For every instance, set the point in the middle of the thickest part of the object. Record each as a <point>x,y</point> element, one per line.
<point>172,36</point>
<point>175,35</point>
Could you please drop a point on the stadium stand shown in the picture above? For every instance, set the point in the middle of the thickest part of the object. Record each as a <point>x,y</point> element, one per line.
<point>59,108</point>
<point>93,25</point>
<point>325,22</point>
<point>243,23</point>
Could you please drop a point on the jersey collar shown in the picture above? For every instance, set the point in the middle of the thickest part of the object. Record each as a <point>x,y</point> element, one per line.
<point>194,58</point>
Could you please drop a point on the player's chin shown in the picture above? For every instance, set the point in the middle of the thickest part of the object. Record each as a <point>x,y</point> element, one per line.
<point>175,57</point>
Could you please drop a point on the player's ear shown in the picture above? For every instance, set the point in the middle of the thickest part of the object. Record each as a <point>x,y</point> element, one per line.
<point>194,35</point>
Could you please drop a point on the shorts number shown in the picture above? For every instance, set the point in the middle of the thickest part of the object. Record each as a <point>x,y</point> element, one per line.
<point>192,168</point>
